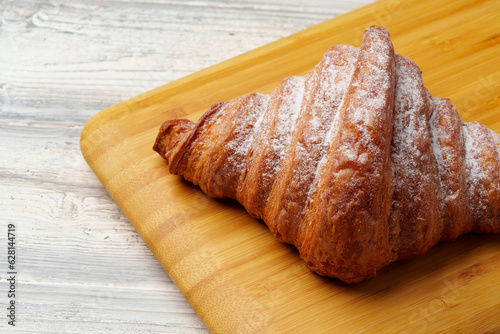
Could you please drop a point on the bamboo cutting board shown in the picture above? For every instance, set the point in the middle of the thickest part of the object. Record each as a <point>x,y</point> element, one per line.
<point>233,272</point>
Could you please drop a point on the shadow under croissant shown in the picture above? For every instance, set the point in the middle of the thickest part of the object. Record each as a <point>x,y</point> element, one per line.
<point>455,257</point>
<point>446,257</point>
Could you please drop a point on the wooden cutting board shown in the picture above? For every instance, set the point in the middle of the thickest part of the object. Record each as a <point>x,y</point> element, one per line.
<point>233,272</point>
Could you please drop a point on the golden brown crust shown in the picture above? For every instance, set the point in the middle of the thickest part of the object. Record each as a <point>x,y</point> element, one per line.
<point>415,221</point>
<point>355,163</point>
<point>172,137</point>
<point>483,179</point>
<point>287,200</point>
<point>353,194</point>
<point>449,152</point>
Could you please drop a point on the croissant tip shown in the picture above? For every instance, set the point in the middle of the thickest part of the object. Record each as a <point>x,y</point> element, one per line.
<point>170,135</point>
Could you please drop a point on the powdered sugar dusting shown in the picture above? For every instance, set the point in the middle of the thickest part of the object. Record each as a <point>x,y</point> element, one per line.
<point>291,97</point>
<point>473,153</point>
<point>410,132</point>
<point>324,89</point>
<point>444,159</point>
<point>473,160</point>
<point>445,154</point>
<point>332,85</point>
<point>351,194</point>
<point>245,127</point>
<point>338,68</point>
<point>375,59</point>
<point>369,104</point>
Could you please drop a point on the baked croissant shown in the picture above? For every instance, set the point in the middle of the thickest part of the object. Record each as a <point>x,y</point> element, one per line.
<point>356,164</point>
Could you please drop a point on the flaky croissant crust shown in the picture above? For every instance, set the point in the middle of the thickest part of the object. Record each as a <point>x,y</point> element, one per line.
<point>356,164</point>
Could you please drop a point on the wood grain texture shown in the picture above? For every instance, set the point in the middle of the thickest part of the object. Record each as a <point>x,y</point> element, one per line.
<point>236,276</point>
<point>82,266</point>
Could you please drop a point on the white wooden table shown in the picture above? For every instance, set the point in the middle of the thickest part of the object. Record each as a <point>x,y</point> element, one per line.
<point>80,266</point>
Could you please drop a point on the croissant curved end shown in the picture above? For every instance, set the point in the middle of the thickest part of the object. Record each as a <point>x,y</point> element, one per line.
<point>170,135</point>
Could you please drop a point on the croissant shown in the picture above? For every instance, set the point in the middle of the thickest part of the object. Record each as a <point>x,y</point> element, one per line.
<point>356,164</point>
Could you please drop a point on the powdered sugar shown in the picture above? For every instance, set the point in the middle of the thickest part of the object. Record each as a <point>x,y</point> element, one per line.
<point>244,129</point>
<point>410,132</point>
<point>286,115</point>
<point>473,159</point>
<point>338,68</point>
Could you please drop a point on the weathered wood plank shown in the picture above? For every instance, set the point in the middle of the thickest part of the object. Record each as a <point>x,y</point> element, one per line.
<point>66,61</point>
